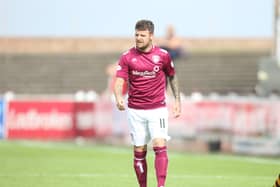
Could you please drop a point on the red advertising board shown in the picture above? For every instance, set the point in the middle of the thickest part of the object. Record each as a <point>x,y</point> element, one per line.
<point>70,119</point>
<point>84,119</point>
<point>40,120</point>
<point>49,119</point>
<point>244,118</point>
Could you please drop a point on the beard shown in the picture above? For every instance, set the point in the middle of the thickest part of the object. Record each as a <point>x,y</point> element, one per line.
<point>143,46</point>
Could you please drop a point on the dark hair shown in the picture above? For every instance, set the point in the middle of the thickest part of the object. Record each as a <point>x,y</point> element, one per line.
<point>145,25</point>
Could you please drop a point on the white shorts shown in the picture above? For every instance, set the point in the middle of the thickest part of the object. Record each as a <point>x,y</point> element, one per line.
<point>146,125</point>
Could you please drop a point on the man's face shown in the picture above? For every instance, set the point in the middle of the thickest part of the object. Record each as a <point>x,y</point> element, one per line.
<point>143,39</point>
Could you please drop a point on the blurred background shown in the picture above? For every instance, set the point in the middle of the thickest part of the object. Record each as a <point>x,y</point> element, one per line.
<point>57,64</point>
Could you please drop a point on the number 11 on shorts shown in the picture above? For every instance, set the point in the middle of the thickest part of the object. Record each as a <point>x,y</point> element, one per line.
<point>162,123</point>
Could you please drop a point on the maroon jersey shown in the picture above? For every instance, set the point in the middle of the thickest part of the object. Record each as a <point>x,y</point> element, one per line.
<point>146,74</point>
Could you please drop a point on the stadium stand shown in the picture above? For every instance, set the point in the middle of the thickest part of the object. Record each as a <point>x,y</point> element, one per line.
<point>49,73</point>
<point>52,73</point>
<point>221,73</point>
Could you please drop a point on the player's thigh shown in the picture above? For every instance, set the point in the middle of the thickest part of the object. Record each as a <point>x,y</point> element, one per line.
<point>138,127</point>
<point>158,123</point>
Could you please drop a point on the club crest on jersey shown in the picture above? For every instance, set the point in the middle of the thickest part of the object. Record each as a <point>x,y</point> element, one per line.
<point>155,58</point>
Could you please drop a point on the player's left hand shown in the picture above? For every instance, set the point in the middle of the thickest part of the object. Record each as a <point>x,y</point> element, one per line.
<point>177,109</point>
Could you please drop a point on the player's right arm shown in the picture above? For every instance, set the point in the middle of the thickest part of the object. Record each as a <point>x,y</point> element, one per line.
<point>118,93</point>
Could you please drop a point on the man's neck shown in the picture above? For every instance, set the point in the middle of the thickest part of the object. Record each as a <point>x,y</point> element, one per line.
<point>147,49</point>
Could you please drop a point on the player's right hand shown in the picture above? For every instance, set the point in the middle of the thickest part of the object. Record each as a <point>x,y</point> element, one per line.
<point>120,105</point>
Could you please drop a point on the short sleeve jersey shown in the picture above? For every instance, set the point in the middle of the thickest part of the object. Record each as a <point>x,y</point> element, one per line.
<point>146,74</point>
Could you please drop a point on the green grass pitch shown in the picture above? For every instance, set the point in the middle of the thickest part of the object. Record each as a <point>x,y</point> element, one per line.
<point>56,164</point>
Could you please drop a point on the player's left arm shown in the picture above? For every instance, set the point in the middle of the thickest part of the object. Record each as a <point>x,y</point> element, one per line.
<point>174,84</point>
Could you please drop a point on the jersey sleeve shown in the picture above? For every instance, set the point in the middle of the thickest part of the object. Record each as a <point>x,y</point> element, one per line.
<point>169,68</point>
<point>122,68</point>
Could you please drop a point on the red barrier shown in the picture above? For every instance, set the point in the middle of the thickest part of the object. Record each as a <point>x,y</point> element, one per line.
<point>234,117</point>
<point>84,119</point>
<point>40,120</point>
<point>49,119</point>
<point>69,119</point>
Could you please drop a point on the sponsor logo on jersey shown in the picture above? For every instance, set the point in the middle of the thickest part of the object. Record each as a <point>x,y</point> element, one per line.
<point>156,68</point>
<point>147,74</point>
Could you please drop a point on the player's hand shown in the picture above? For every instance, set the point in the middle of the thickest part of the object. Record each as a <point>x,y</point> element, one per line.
<point>177,109</point>
<point>120,104</point>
